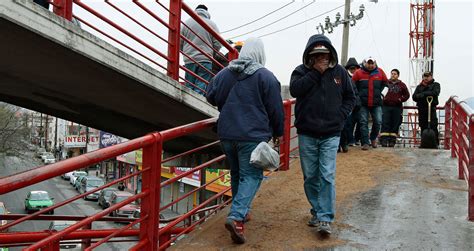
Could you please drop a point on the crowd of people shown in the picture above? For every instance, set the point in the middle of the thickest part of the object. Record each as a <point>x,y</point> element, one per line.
<point>334,105</point>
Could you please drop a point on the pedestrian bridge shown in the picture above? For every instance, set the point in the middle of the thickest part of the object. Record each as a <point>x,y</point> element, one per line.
<point>386,198</point>
<point>53,66</point>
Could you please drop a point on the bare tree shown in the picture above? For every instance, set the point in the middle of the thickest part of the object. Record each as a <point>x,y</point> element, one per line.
<point>14,130</point>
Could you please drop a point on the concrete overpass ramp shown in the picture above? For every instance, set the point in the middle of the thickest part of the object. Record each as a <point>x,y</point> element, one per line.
<point>52,66</point>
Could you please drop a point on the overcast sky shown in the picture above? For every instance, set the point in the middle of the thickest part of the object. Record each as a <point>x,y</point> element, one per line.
<point>381,33</point>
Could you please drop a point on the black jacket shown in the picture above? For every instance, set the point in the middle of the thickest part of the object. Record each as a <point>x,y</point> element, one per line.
<point>323,101</point>
<point>421,92</point>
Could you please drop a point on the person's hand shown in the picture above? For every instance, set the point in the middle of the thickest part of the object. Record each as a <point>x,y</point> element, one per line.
<point>321,65</point>
<point>276,141</point>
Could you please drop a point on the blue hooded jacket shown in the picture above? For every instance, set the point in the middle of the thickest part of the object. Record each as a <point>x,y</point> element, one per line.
<point>323,101</point>
<point>248,97</point>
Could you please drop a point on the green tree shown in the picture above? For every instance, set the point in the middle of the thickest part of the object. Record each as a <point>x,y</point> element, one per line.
<point>14,130</point>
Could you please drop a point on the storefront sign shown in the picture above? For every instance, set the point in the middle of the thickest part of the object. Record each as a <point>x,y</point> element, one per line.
<point>80,141</point>
<point>108,139</point>
<point>193,179</point>
<point>212,174</point>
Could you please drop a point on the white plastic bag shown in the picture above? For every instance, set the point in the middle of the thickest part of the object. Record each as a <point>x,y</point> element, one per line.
<point>264,157</point>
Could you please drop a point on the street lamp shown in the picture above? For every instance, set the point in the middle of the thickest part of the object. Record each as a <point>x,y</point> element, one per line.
<point>348,21</point>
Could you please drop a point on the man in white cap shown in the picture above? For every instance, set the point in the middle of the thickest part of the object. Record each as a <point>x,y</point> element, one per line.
<point>370,80</point>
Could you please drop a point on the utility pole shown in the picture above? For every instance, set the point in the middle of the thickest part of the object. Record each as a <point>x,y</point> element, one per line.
<point>55,136</point>
<point>348,20</point>
<point>345,33</point>
<point>46,133</point>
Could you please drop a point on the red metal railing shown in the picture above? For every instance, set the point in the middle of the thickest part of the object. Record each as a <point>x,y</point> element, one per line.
<point>460,122</point>
<point>138,28</point>
<point>410,131</point>
<point>150,236</point>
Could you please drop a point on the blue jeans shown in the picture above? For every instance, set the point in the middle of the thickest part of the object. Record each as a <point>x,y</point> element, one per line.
<point>376,113</point>
<point>198,70</point>
<point>318,162</point>
<point>245,179</point>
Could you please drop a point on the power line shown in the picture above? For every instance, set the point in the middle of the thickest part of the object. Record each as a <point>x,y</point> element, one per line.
<point>253,21</point>
<point>302,22</point>
<point>273,21</point>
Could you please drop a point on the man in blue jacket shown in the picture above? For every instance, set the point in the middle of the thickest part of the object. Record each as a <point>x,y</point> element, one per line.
<point>251,111</point>
<point>324,99</point>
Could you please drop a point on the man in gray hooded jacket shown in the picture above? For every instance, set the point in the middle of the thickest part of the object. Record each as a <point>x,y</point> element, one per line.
<point>194,60</point>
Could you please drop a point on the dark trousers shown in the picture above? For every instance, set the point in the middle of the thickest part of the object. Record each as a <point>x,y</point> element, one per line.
<point>43,3</point>
<point>423,120</point>
<point>346,132</point>
<point>391,119</point>
<point>354,136</point>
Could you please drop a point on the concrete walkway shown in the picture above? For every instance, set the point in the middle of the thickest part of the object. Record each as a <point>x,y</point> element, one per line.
<point>387,199</point>
<point>422,207</point>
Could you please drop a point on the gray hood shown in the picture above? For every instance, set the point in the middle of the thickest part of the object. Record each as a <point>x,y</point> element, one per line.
<point>203,13</point>
<point>251,57</point>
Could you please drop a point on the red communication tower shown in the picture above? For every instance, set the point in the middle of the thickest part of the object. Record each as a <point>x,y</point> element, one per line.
<point>421,54</point>
<point>421,39</point>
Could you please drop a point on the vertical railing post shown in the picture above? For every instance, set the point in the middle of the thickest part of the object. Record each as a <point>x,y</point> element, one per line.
<point>63,8</point>
<point>174,38</point>
<point>447,125</point>
<point>285,146</point>
<point>458,140</point>
<point>454,129</point>
<point>86,242</point>
<point>150,205</point>
<point>470,168</point>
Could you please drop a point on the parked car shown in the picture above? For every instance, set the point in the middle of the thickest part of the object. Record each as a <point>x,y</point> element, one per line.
<point>104,197</point>
<point>66,176</point>
<point>49,159</point>
<point>136,215</point>
<point>125,211</point>
<point>66,244</point>
<point>76,174</point>
<point>47,155</point>
<point>77,182</point>
<point>89,183</point>
<point>37,200</point>
<point>3,211</point>
<point>40,152</point>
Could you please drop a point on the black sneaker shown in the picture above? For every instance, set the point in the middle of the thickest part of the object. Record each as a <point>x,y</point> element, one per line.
<point>324,228</point>
<point>314,222</point>
<point>345,148</point>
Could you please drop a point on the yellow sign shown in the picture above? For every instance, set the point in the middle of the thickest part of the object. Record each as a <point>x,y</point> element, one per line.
<point>139,157</point>
<point>214,173</point>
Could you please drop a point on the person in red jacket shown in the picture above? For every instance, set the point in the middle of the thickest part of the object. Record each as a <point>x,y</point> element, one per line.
<point>392,109</point>
<point>370,80</point>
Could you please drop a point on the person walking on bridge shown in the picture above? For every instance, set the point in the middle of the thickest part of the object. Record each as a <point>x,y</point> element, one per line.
<point>370,81</point>
<point>248,98</point>
<point>324,99</point>
<point>392,109</point>
<point>428,87</point>
<point>195,60</point>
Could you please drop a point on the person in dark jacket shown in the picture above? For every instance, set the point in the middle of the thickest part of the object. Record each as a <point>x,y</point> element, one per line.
<point>198,61</point>
<point>392,109</point>
<point>370,81</point>
<point>324,100</point>
<point>347,134</point>
<point>427,88</point>
<point>251,111</point>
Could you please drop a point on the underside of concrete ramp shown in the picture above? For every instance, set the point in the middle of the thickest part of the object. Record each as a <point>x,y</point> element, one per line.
<point>53,66</point>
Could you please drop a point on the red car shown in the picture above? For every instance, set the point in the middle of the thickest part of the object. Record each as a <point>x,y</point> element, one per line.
<point>125,211</point>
